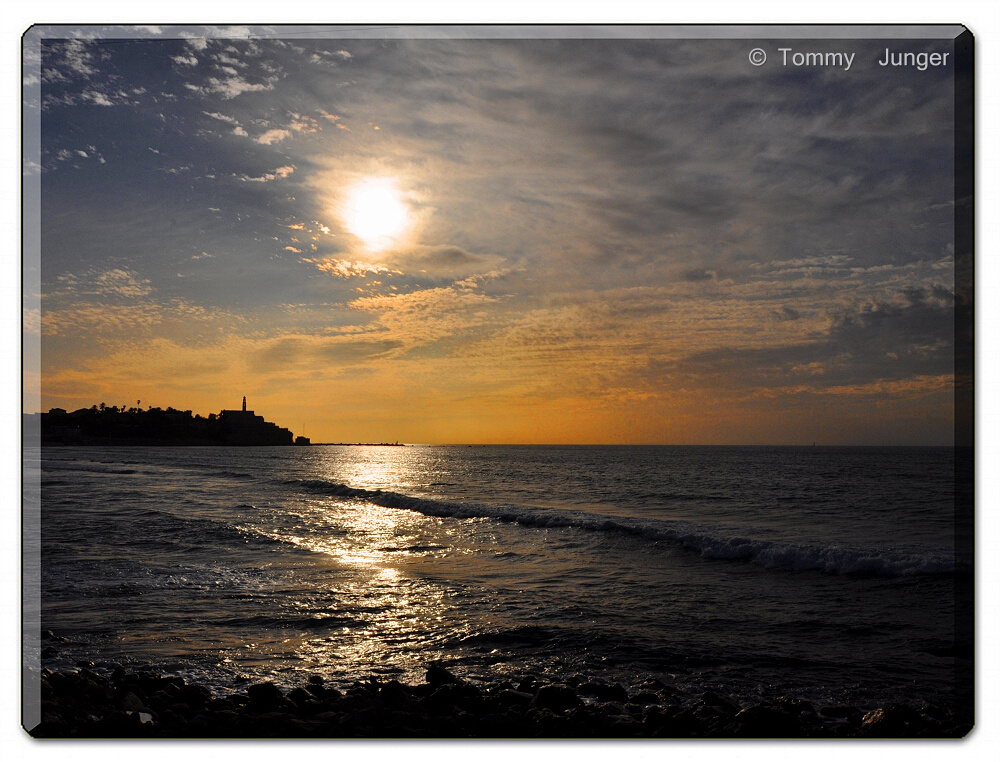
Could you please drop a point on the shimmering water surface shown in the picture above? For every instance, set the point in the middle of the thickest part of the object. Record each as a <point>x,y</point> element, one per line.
<point>827,573</point>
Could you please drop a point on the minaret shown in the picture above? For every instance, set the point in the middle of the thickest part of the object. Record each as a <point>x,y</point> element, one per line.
<point>244,403</point>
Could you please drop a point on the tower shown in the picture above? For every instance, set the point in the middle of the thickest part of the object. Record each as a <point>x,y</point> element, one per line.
<point>244,403</point>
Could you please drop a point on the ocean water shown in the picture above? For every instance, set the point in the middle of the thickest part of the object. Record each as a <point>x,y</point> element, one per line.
<point>824,573</point>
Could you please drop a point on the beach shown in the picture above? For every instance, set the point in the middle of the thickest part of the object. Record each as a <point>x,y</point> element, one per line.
<point>94,704</point>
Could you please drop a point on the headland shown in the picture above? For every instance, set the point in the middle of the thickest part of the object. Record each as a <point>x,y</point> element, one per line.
<point>104,425</point>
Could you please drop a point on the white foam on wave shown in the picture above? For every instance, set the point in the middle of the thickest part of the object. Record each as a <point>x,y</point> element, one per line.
<point>709,542</point>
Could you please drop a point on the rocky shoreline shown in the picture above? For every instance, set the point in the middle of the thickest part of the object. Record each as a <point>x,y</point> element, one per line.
<point>83,703</point>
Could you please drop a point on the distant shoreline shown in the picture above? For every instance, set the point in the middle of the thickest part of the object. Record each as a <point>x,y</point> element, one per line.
<point>358,444</point>
<point>200,443</point>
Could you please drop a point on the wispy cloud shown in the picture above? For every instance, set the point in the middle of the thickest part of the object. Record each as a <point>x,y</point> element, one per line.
<point>278,174</point>
<point>229,87</point>
<point>274,135</point>
<point>344,268</point>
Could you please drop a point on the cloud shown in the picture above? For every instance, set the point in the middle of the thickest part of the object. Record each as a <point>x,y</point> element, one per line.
<point>122,283</point>
<point>303,124</point>
<point>230,87</point>
<point>426,316</point>
<point>787,313</point>
<point>196,43</point>
<point>344,268</point>
<point>114,282</point>
<point>74,314</point>
<point>221,117</point>
<point>293,354</point>
<point>279,174</point>
<point>697,274</point>
<point>70,59</point>
<point>97,98</point>
<point>912,337</point>
<point>75,156</point>
<point>185,60</point>
<point>442,261</point>
<point>272,136</point>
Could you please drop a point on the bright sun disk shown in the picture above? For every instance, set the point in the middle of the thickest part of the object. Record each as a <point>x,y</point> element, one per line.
<point>375,212</point>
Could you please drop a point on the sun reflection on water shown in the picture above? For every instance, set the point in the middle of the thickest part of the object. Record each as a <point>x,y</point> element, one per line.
<point>396,613</point>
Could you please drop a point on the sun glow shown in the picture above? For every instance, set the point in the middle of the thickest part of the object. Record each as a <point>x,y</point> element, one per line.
<point>375,212</point>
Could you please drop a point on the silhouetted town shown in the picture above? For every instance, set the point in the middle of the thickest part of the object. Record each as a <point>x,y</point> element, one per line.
<point>111,425</point>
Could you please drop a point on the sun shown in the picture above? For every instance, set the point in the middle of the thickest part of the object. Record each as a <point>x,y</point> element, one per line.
<point>375,212</point>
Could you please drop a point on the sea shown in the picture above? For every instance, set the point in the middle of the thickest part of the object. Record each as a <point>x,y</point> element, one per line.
<point>840,575</point>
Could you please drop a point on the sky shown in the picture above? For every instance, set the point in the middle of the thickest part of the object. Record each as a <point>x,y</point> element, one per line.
<point>499,240</point>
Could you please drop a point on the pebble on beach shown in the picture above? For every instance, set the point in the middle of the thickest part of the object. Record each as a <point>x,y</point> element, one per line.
<point>87,704</point>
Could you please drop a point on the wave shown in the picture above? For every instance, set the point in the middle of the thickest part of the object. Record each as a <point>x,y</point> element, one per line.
<point>92,468</point>
<point>242,476</point>
<point>317,622</point>
<point>530,635</point>
<point>708,542</point>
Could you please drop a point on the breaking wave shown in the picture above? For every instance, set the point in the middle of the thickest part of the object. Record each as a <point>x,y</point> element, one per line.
<point>708,542</point>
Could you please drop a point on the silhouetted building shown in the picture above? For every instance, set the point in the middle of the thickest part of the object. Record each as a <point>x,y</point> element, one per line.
<point>243,427</point>
<point>117,426</point>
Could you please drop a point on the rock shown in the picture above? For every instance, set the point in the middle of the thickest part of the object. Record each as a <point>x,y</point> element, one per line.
<point>459,695</point>
<point>798,707</point>
<point>604,693</point>
<point>545,723</point>
<point>663,722</point>
<point>168,694</point>
<point>557,697</point>
<point>849,713</point>
<point>644,698</point>
<point>300,696</point>
<point>195,695</point>
<point>895,721</point>
<point>614,725</point>
<point>264,695</point>
<point>765,722</point>
<point>529,685</point>
<point>395,695</point>
<point>132,703</point>
<point>510,698</point>
<point>323,692</point>
<point>438,676</point>
<point>120,724</point>
<point>712,699</point>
